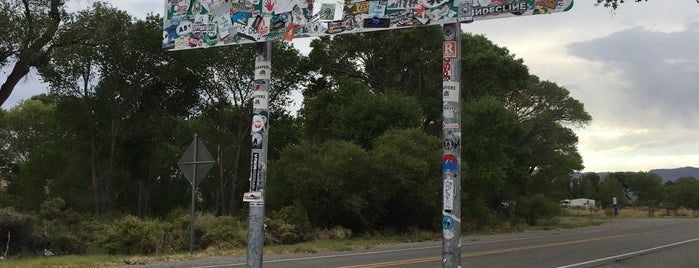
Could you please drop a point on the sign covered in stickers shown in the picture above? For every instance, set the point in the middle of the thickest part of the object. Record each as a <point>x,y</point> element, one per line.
<point>205,23</point>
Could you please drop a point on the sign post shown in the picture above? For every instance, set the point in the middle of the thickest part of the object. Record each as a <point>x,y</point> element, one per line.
<point>451,135</point>
<point>195,163</point>
<point>258,161</point>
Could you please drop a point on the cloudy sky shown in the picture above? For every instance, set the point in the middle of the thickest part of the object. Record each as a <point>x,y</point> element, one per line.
<point>636,70</point>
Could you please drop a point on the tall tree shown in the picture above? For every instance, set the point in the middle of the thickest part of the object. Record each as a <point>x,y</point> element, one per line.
<point>28,34</point>
<point>227,103</point>
<point>120,87</point>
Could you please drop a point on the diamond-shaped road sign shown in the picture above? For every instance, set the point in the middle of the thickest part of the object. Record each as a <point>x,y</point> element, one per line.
<point>196,156</point>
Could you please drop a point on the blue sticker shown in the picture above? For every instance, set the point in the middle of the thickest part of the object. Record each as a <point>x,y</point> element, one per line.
<point>447,222</point>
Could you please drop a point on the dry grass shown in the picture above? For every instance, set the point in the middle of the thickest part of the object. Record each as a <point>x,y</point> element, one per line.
<point>631,212</point>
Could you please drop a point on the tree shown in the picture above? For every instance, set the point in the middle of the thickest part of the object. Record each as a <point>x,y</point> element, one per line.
<point>404,162</point>
<point>350,111</point>
<point>609,188</point>
<point>683,192</point>
<point>28,36</point>
<point>120,97</point>
<point>646,187</point>
<point>332,180</point>
<point>227,108</point>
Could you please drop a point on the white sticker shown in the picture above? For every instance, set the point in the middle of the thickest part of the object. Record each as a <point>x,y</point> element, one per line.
<point>448,194</point>
<point>451,91</point>
<point>263,70</point>
<point>260,100</point>
<point>253,197</point>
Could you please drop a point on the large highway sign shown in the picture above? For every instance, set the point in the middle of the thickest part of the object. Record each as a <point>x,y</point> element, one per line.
<point>207,23</point>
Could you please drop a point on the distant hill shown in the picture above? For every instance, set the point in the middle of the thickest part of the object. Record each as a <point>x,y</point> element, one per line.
<point>676,173</point>
<point>669,174</point>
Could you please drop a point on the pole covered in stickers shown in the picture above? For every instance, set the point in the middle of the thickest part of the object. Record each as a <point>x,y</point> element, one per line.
<point>451,131</point>
<point>258,160</point>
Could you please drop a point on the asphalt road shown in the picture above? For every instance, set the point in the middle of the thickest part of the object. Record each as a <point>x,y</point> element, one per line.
<point>617,243</point>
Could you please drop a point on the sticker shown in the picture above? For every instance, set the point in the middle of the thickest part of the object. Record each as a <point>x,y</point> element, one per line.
<point>377,9</point>
<point>257,140</point>
<point>447,69</point>
<point>447,222</point>
<point>246,31</point>
<point>450,125</point>
<point>401,18</point>
<point>451,91</point>
<point>260,100</point>
<point>464,11</point>
<point>497,9</point>
<point>452,140</point>
<point>253,197</point>
<point>449,111</point>
<point>259,122</point>
<point>254,170</point>
<point>358,8</point>
<point>448,194</point>
<point>450,49</point>
<point>377,23</point>
<point>263,70</point>
<point>450,163</point>
<point>290,31</point>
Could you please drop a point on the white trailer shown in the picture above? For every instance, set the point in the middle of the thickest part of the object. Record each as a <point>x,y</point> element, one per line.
<point>578,202</point>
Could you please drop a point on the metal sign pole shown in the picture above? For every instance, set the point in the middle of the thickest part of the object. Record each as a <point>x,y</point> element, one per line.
<point>451,131</point>
<point>258,161</point>
<point>194,191</point>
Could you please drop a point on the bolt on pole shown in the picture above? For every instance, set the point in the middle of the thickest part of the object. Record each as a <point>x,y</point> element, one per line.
<point>258,160</point>
<point>451,134</point>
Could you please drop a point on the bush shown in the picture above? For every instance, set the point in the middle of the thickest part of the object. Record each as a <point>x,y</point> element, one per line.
<point>219,232</point>
<point>18,229</point>
<point>535,208</point>
<point>131,235</point>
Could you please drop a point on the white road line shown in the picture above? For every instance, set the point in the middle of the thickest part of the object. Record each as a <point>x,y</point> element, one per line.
<point>630,253</point>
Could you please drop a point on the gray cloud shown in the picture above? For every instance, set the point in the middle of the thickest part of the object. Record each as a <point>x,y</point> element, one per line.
<point>662,70</point>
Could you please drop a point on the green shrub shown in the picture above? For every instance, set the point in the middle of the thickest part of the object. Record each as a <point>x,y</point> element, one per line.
<point>131,235</point>
<point>18,229</point>
<point>219,232</point>
<point>535,208</point>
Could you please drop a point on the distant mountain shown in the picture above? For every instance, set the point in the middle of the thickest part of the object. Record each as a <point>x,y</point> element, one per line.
<point>669,174</point>
<point>676,173</point>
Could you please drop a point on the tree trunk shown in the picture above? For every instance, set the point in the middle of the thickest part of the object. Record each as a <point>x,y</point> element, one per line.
<point>30,56</point>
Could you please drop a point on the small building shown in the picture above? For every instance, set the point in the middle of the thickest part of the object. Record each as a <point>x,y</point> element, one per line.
<point>579,202</point>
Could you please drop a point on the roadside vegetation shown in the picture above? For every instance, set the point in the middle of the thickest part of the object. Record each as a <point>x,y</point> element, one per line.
<point>89,169</point>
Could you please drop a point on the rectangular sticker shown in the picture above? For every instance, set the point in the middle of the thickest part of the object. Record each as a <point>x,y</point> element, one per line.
<point>263,70</point>
<point>253,197</point>
<point>448,195</point>
<point>450,91</point>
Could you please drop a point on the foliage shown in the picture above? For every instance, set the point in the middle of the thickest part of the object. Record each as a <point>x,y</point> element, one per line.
<point>17,229</point>
<point>683,193</point>
<point>536,208</point>
<point>219,232</point>
<point>28,30</point>
<point>130,235</point>
<point>351,111</point>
